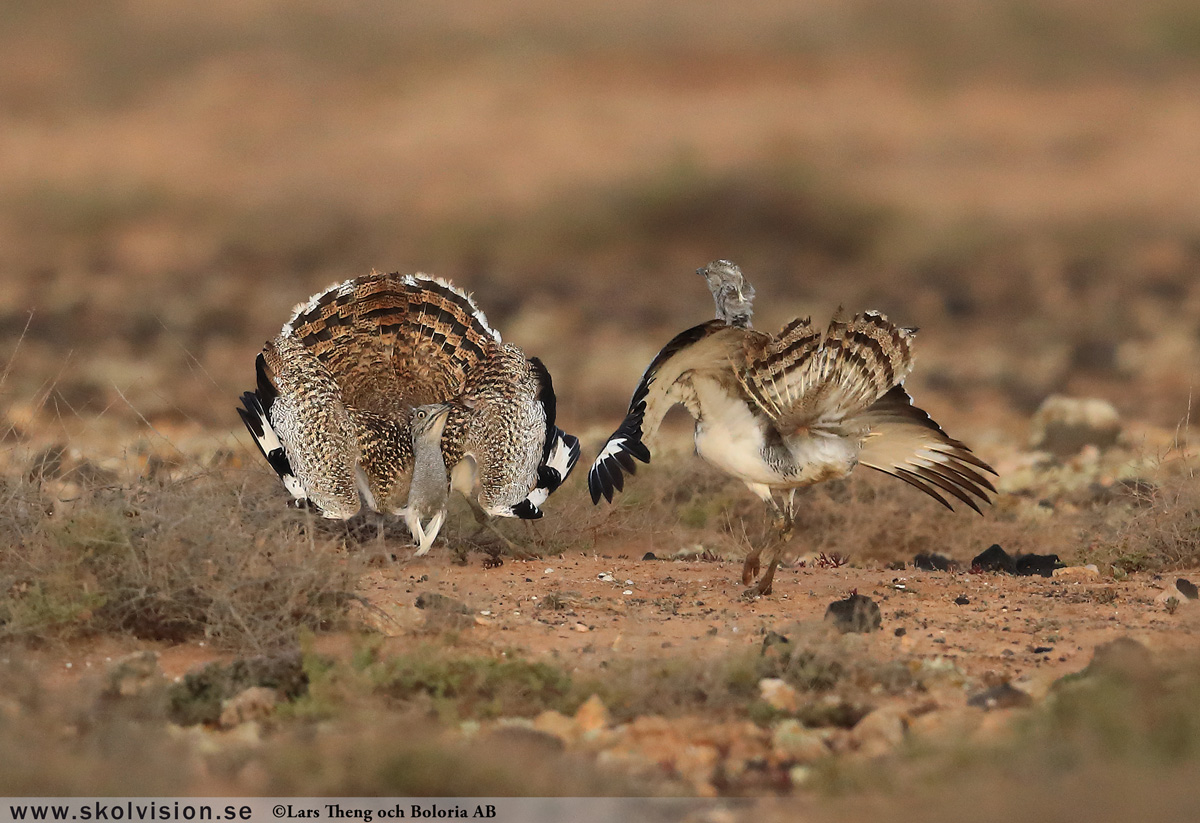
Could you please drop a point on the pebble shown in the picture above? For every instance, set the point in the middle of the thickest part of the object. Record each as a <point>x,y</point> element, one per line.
<point>857,613</point>
<point>793,742</point>
<point>592,716</point>
<point>1064,425</point>
<point>880,731</point>
<point>778,694</point>
<point>1087,572</point>
<point>934,562</point>
<point>994,559</point>
<point>1004,696</point>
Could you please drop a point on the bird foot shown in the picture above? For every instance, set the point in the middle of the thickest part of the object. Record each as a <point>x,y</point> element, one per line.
<point>750,569</point>
<point>764,584</point>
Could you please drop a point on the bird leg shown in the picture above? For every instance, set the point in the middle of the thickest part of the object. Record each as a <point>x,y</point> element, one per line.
<point>784,519</point>
<point>485,522</point>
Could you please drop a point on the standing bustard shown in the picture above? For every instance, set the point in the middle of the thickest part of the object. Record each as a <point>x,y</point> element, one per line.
<point>337,388</point>
<point>787,411</point>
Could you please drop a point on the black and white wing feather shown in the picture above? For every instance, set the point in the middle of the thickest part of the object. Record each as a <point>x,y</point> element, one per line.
<point>256,414</point>
<point>706,346</point>
<point>559,454</point>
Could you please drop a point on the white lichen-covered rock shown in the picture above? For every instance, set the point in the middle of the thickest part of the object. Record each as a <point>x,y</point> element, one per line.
<point>1064,425</point>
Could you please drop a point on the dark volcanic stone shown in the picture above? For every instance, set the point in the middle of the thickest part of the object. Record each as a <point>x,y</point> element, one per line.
<point>1043,564</point>
<point>962,600</point>
<point>994,559</point>
<point>649,556</point>
<point>933,562</point>
<point>1004,696</point>
<point>1187,588</point>
<point>441,603</point>
<point>857,613</point>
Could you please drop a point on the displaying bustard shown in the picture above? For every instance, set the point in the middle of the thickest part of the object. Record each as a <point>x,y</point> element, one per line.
<point>337,387</point>
<point>786,411</point>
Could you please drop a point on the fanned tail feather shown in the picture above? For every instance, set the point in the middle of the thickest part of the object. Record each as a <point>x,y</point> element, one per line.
<point>369,330</point>
<point>805,378</point>
<point>903,441</point>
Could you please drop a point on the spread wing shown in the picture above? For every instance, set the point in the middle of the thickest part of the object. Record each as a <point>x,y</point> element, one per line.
<point>560,452</point>
<point>903,441</point>
<point>711,345</point>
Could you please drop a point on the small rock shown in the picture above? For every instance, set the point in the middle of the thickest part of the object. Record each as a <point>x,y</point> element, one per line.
<point>962,600</point>
<point>649,556</point>
<point>944,725</point>
<point>778,694</point>
<point>1037,564</point>
<point>857,613</point>
<point>994,559</point>
<point>440,602</point>
<point>592,716</point>
<point>1064,425</point>
<point>794,743</point>
<point>900,632</point>
<point>880,731</point>
<point>799,775</point>
<point>1170,593</point>
<point>581,627</point>
<point>1003,696</point>
<point>1088,572</point>
<point>934,562</point>
<point>252,704</point>
<point>556,724</point>
<point>1187,588</point>
<point>444,612</point>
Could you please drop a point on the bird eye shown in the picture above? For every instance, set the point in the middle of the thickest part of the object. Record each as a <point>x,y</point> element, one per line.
<point>420,415</point>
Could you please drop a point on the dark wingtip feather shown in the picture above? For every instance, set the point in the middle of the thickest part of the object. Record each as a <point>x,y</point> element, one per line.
<point>918,482</point>
<point>527,511</point>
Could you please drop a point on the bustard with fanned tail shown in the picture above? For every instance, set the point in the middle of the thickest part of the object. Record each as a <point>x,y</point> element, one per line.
<point>785,411</point>
<point>333,411</point>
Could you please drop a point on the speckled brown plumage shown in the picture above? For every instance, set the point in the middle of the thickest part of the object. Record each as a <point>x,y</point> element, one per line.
<point>337,385</point>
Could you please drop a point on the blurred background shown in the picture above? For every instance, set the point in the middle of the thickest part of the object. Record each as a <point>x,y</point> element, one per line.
<point>1020,179</point>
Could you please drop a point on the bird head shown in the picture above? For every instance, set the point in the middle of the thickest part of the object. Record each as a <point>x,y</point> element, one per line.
<point>428,422</point>
<point>732,294</point>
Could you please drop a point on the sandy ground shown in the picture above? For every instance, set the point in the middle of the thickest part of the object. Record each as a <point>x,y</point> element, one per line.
<point>1026,630</point>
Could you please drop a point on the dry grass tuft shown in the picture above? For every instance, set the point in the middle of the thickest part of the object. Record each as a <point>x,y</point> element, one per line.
<point>214,555</point>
